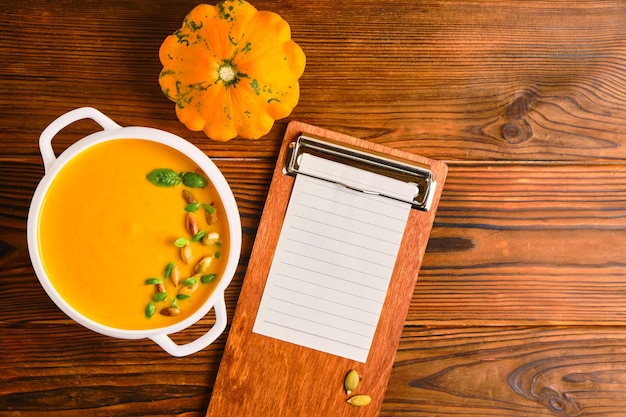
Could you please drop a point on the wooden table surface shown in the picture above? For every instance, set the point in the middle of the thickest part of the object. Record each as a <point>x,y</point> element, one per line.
<point>520,306</point>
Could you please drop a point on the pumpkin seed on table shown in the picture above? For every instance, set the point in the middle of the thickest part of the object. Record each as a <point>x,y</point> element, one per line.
<point>360,400</point>
<point>351,382</point>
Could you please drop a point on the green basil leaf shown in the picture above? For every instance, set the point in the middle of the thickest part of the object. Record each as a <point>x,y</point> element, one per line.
<point>159,296</point>
<point>191,207</point>
<point>206,279</point>
<point>193,180</point>
<point>150,309</point>
<point>198,236</point>
<point>189,281</point>
<point>163,177</point>
<point>209,208</point>
<point>168,270</point>
<point>181,242</point>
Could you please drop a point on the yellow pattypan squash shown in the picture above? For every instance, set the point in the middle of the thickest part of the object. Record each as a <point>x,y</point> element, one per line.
<point>231,70</point>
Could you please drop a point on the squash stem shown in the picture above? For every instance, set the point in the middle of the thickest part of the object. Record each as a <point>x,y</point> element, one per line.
<point>227,73</point>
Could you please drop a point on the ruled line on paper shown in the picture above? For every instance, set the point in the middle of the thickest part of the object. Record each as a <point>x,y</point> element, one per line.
<point>325,324</point>
<point>331,269</point>
<point>343,278</point>
<point>328,288</point>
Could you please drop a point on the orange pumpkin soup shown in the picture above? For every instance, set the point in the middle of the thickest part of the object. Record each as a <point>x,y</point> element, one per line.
<point>114,238</point>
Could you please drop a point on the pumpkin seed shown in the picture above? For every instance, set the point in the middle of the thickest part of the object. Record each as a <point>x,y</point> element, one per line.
<point>211,238</point>
<point>188,290</point>
<point>170,311</point>
<point>351,382</point>
<point>159,287</point>
<point>175,275</point>
<point>189,197</point>
<point>191,224</point>
<point>203,265</point>
<point>153,281</point>
<point>185,254</point>
<point>360,400</point>
<point>210,212</point>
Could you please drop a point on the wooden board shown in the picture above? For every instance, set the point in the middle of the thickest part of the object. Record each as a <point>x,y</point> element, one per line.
<point>263,376</point>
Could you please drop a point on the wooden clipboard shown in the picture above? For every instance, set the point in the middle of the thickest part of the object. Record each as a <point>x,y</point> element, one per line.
<point>263,376</point>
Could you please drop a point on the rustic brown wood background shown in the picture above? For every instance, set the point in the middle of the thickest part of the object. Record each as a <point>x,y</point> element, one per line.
<point>520,307</point>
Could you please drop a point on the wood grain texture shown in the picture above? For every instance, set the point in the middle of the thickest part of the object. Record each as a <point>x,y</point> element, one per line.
<point>489,80</point>
<point>509,371</point>
<point>520,306</point>
<point>531,243</point>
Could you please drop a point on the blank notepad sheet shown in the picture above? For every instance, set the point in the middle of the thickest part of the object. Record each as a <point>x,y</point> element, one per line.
<point>333,261</point>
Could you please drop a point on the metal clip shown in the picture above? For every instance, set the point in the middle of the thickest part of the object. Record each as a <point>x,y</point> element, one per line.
<point>387,165</point>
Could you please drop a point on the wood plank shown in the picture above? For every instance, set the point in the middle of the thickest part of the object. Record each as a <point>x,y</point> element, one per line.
<point>526,243</point>
<point>508,372</point>
<point>87,373</point>
<point>449,80</point>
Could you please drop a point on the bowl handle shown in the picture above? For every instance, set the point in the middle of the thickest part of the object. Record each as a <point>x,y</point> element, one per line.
<point>168,345</point>
<point>45,140</point>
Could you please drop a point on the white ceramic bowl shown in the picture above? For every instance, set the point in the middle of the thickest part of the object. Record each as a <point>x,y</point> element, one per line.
<point>113,131</point>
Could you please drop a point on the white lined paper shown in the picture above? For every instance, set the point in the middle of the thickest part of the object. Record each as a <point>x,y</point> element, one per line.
<point>333,262</point>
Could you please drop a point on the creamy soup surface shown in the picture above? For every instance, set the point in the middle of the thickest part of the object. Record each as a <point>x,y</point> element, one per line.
<point>107,235</point>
